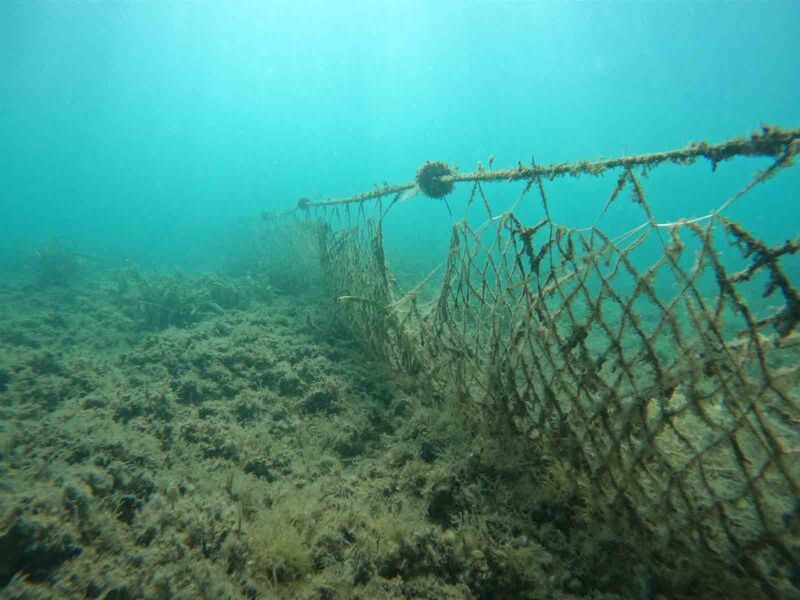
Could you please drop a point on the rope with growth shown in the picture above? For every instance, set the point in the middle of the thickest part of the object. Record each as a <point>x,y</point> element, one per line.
<point>435,179</point>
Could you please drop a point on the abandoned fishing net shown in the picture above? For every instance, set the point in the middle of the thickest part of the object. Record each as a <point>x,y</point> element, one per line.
<point>662,363</point>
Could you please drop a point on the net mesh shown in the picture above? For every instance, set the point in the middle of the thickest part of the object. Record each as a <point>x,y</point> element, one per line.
<point>660,364</point>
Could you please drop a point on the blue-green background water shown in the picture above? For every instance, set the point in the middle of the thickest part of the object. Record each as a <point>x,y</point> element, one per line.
<point>146,129</point>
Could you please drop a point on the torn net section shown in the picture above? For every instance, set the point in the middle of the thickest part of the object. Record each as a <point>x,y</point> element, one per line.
<point>670,385</point>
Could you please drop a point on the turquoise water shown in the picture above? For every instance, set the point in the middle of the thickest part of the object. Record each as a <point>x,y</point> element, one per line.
<point>143,129</point>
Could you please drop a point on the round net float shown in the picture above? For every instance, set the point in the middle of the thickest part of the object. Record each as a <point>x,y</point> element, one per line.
<point>429,179</point>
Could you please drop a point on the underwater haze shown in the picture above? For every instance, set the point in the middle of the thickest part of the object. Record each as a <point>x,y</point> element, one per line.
<point>137,128</point>
<point>332,300</point>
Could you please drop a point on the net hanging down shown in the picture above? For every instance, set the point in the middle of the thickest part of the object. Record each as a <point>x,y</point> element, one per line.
<point>661,365</point>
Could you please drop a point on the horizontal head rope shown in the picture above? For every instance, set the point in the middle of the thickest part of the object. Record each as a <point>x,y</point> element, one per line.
<point>768,141</point>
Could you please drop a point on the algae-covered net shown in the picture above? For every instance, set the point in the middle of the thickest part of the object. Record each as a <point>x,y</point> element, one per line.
<point>661,363</point>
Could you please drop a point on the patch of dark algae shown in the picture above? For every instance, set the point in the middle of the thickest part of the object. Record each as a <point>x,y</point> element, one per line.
<point>255,452</point>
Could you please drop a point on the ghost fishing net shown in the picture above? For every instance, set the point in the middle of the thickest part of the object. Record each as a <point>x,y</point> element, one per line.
<point>661,363</point>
